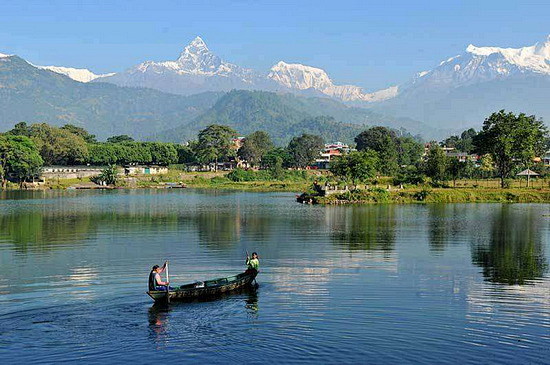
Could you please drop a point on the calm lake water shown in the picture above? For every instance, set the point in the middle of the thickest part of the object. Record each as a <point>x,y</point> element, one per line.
<point>455,283</point>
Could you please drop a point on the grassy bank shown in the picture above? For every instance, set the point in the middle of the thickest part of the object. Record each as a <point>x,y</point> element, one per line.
<point>466,191</point>
<point>447,195</point>
<point>291,181</point>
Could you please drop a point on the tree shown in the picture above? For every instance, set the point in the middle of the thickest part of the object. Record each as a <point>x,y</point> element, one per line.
<point>89,138</point>
<point>120,139</point>
<point>383,141</point>
<point>409,151</point>
<point>457,169</point>
<point>19,158</point>
<point>185,154</point>
<point>103,154</point>
<point>21,129</point>
<point>487,166</point>
<point>108,176</point>
<point>304,149</point>
<point>355,166</point>
<point>58,146</point>
<point>215,144</point>
<point>274,155</point>
<point>511,140</point>
<point>162,153</point>
<point>436,163</point>
<point>255,146</point>
<point>463,143</point>
<point>466,142</point>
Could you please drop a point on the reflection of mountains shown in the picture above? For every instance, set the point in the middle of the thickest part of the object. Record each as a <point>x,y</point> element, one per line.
<point>370,228</point>
<point>511,251</point>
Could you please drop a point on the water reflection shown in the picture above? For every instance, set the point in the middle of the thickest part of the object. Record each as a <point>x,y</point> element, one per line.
<point>43,230</point>
<point>363,228</point>
<point>252,301</point>
<point>158,316</point>
<point>512,252</point>
<point>446,222</point>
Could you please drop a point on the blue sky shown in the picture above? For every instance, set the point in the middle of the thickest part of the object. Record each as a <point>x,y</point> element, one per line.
<point>373,44</point>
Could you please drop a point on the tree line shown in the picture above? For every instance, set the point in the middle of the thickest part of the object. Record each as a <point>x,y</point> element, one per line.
<point>505,143</point>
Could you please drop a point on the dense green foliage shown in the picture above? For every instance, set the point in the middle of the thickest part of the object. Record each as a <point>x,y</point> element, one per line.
<point>304,149</point>
<point>215,143</point>
<point>462,143</point>
<point>19,158</point>
<point>254,147</point>
<point>57,146</point>
<point>436,163</point>
<point>108,176</point>
<point>393,151</point>
<point>120,139</point>
<point>157,153</point>
<point>512,141</point>
<point>81,132</point>
<point>356,166</point>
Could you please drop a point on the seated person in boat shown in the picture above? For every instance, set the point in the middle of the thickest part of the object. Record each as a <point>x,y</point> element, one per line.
<point>252,263</point>
<point>155,281</point>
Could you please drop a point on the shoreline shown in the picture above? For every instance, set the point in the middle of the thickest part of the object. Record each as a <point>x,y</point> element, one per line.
<point>436,195</point>
<point>464,192</point>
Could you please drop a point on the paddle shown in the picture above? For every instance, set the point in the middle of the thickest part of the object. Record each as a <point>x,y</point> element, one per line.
<point>167,284</point>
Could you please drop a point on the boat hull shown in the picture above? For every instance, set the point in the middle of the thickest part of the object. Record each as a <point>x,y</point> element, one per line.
<point>211,288</point>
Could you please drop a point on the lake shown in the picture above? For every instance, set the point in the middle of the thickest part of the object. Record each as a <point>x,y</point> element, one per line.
<point>454,283</point>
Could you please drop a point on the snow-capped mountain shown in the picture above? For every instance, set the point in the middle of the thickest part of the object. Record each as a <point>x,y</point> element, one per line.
<point>197,69</point>
<point>300,77</point>
<point>77,74</point>
<point>465,89</point>
<point>481,64</point>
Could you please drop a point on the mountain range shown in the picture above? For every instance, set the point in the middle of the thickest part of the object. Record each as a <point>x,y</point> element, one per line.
<point>457,93</point>
<point>36,94</point>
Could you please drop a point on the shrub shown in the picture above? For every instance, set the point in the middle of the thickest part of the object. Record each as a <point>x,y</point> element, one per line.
<point>421,195</point>
<point>108,176</point>
<point>239,175</point>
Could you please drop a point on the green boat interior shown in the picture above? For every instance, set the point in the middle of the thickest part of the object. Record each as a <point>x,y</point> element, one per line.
<point>211,283</point>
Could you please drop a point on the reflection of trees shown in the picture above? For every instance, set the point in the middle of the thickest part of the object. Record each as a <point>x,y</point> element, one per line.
<point>39,231</point>
<point>62,228</point>
<point>363,227</point>
<point>224,227</point>
<point>513,253</point>
<point>218,228</point>
<point>445,222</point>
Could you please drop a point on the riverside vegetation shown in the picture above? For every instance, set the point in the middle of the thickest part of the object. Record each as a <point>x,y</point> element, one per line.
<point>386,166</point>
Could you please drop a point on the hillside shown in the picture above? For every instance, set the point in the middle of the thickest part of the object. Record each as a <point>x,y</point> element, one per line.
<point>31,94</point>
<point>284,116</point>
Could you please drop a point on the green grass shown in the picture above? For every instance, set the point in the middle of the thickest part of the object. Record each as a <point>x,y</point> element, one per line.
<point>448,195</point>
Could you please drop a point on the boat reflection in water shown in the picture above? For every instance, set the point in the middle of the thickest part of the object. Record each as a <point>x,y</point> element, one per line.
<point>168,321</point>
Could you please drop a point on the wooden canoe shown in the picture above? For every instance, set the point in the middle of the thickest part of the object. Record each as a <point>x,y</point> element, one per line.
<point>209,288</point>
